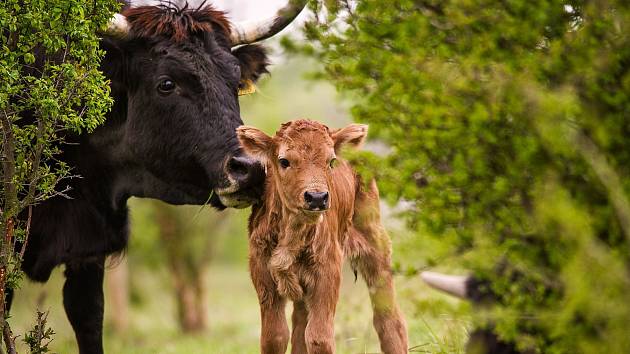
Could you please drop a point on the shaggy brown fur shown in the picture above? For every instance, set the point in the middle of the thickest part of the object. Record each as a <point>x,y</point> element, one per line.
<point>175,23</point>
<point>296,250</point>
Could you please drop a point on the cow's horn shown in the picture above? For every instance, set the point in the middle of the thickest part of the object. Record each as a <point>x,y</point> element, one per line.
<point>118,26</point>
<point>246,32</point>
<point>453,284</point>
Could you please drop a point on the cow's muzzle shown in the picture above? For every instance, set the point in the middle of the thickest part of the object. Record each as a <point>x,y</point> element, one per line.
<point>245,182</point>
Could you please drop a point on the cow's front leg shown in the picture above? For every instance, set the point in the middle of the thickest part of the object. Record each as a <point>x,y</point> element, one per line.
<point>83,301</point>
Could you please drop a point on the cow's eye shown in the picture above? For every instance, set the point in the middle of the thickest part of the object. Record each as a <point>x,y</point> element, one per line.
<point>284,162</point>
<point>333,162</point>
<point>166,86</point>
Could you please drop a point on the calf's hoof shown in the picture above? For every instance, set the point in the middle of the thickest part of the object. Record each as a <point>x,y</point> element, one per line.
<point>320,346</point>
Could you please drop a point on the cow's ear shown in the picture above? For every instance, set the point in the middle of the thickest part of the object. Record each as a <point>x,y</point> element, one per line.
<point>255,142</point>
<point>253,60</point>
<point>353,135</point>
<point>113,64</point>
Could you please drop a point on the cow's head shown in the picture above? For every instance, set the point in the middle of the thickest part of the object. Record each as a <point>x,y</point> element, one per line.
<point>300,159</point>
<point>175,80</point>
<point>467,287</point>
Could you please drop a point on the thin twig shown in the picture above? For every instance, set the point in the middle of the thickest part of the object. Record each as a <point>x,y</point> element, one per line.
<point>9,340</point>
<point>28,230</point>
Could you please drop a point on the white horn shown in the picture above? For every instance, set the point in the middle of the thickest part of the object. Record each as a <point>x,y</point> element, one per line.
<point>246,32</point>
<point>453,284</point>
<point>118,26</point>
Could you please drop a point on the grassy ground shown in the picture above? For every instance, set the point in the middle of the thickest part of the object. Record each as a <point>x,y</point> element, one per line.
<point>234,320</point>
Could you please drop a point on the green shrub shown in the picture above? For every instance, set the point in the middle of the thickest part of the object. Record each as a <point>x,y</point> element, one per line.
<point>50,85</point>
<point>509,124</point>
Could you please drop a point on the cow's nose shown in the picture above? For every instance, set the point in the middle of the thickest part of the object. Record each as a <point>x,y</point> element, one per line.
<point>245,171</point>
<point>316,200</point>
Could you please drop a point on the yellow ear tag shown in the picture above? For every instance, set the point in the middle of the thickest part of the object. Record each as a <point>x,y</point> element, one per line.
<point>247,88</point>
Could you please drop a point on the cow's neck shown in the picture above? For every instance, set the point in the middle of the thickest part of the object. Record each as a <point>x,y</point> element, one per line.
<point>100,179</point>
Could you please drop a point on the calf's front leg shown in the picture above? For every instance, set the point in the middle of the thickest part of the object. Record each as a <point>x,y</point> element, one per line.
<point>274,333</point>
<point>322,303</point>
<point>298,322</point>
<point>83,302</point>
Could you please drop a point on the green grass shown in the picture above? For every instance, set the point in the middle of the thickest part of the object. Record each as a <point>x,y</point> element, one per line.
<point>436,323</point>
<point>233,317</point>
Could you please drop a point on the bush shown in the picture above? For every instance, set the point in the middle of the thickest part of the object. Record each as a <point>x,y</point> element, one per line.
<point>50,85</point>
<point>509,124</point>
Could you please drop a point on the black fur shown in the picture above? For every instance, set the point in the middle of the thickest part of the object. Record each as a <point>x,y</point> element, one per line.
<point>170,147</point>
<point>484,341</point>
<point>253,61</point>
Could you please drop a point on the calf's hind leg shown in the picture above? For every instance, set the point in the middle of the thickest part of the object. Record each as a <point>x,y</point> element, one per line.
<point>369,248</point>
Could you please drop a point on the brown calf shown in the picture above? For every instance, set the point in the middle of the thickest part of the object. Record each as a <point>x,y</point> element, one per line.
<point>314,213</point>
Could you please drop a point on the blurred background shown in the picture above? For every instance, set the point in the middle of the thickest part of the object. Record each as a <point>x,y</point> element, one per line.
<point>183,284</point>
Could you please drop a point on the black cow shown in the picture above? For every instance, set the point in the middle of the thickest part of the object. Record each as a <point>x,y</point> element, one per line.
<point>171,135</point>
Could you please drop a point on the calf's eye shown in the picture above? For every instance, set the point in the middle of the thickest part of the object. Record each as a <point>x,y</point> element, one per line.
<point>166,86</point>
<point>284,162</point>
<point>333,162</point>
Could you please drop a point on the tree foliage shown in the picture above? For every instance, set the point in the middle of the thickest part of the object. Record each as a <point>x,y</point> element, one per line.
<point>508,123</point>
<point>50,87</point>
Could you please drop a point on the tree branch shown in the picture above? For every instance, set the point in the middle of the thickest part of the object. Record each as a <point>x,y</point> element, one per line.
<point>34,175</point>
<point>609,179</point>
<point>8,167</point>
<point>9,340</point>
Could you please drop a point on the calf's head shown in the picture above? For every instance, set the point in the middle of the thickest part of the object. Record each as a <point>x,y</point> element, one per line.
<point>300,160</point>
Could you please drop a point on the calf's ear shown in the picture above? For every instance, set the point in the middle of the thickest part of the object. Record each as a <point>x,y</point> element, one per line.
<point>253,61</point>
<point>353,135</point>
<point>255,142</point>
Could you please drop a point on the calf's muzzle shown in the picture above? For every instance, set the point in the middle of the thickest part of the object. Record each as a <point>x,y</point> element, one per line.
<point>316,201</point>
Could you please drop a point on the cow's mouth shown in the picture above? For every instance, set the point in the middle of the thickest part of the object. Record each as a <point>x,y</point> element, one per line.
<point>234,199</point>
<point>244,183</point>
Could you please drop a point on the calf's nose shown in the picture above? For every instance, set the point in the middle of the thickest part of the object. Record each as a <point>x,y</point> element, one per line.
<point>316,200</point>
